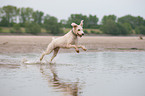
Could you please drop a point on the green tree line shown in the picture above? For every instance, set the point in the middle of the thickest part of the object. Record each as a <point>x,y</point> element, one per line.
<point>34,21</point>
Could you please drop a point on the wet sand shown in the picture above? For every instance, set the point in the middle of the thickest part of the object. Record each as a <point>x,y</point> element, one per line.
<point>36,44</point>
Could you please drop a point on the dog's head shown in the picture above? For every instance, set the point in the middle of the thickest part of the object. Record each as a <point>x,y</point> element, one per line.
<point>78,29</point>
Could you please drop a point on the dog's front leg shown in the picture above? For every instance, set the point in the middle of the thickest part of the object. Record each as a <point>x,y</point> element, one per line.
<point>83,47</point>
<point>71,46</point>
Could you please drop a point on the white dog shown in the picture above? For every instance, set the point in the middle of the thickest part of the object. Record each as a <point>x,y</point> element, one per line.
<point>69,40</point>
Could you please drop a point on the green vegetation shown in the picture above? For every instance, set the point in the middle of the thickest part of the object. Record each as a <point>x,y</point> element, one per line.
<point>32,28</point>
<point>16,28</point>
<point>121,26</point>
<point>140,30</point>
<point>26,20</point>
<point>0,29</point>
<point>51,25</point>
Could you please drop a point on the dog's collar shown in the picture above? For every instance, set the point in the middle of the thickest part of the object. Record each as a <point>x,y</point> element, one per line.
<point>73,33</point>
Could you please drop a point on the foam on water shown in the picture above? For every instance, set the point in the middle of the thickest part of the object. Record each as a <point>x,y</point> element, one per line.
<point>26,61</point>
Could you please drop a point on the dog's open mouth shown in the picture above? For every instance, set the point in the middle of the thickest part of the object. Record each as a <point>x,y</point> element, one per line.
<point>79,35</point>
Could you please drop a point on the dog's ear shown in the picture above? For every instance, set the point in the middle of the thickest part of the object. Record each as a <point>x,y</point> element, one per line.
<point>82,23</point>
<point>74,25</point>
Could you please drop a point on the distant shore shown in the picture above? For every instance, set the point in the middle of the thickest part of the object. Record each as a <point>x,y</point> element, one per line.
<point>36,44</point>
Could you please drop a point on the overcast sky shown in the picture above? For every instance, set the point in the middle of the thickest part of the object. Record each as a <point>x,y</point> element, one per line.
<point>63,8</point>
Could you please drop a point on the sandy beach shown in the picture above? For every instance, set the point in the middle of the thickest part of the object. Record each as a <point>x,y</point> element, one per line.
<point>36,44</point>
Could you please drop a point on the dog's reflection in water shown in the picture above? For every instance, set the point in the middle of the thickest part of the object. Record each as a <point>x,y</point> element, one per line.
<point>68,88</point>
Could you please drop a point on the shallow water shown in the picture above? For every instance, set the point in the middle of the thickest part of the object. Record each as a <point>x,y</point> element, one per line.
<point>72,74</point>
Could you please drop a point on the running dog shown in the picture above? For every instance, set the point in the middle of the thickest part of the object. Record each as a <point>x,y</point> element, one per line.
<point>69,40</point>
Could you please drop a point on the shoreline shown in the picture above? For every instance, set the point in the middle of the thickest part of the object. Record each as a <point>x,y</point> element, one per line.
<point>36,44</point>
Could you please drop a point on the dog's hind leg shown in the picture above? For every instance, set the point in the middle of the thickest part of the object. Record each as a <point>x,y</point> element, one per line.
<point>49,49</point>
<point>55,53</point>
<point>45,53</point>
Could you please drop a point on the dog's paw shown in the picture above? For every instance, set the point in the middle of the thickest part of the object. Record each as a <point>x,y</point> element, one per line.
<point>77,51</point>
<point>40,59</point>
<point>85,49</point>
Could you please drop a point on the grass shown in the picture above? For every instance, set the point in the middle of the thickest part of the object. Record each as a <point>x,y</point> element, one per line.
<point>65,30</point>
<point>5,29</point>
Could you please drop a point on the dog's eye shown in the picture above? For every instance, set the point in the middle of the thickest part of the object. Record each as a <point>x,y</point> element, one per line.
<point>79,30</point>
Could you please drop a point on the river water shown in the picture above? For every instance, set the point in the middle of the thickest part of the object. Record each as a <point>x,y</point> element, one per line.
<point>72,74</point>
